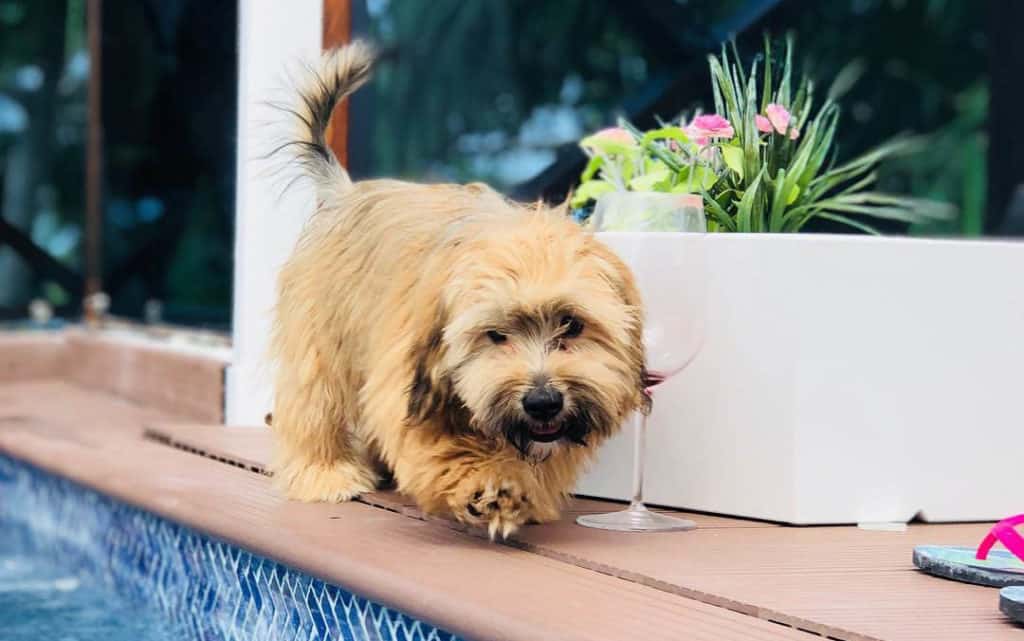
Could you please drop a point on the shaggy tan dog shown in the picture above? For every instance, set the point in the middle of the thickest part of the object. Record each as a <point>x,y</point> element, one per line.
<point>476,350</point>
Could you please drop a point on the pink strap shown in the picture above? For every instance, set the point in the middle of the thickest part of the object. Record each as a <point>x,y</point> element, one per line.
<point>1005,533</point>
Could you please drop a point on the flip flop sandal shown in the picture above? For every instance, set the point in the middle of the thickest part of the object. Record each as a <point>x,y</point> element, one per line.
<point>983,566</point>
<point>1011,602</point>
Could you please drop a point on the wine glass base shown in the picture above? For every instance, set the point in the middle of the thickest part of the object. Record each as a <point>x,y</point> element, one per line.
<point>635,519</point>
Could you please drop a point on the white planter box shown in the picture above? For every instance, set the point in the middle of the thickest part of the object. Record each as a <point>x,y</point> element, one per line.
<point>843,379</point>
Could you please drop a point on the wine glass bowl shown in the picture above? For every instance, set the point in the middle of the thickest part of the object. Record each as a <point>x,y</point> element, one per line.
<point>667,261</point>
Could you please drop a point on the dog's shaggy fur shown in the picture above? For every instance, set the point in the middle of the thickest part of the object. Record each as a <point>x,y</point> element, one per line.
<point>412,323</point>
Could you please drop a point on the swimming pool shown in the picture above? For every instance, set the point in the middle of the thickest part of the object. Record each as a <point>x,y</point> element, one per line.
<point>75,564</point>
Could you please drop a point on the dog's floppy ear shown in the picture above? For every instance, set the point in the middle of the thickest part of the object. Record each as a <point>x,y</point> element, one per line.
<point>431,387</point>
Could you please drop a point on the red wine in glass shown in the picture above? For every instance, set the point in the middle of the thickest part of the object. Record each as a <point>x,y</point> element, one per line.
<point>653,379</point>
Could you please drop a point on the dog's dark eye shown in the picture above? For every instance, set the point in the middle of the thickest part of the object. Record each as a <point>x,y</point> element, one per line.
<point>496,337</point>
<point>573,327</point>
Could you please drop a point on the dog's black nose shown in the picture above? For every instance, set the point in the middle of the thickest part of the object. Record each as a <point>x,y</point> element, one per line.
<point>543,403</point>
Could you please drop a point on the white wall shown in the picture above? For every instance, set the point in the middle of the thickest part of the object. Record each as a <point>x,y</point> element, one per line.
<point>273,36</point>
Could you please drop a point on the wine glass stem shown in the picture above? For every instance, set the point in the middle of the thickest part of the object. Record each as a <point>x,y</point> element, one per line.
<point>639,439</point>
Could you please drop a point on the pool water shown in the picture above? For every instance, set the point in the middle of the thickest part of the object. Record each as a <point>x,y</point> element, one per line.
<point>40,600</point>
<point>76,565</point>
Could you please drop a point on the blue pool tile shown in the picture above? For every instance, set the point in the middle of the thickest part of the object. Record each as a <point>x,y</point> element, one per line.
<point>257,593</point>
<point>215,591</point>
<point>209,600</point>
<point>354,621</point>
<point>319,624</point>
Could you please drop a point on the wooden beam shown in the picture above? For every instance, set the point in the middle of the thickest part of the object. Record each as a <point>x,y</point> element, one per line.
<point>337,30</point>
<point>94,154</point>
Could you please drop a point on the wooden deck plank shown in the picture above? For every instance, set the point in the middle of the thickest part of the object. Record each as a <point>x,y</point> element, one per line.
<point>184,385</point>
<point>842,582</point>
<point>464,584</point>
<point>251,447</point>
<point>66,408</point>
<point>30,355</point>
<point>247,447</point>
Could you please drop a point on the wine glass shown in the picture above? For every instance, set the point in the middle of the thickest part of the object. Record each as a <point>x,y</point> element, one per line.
<point>661,239</point>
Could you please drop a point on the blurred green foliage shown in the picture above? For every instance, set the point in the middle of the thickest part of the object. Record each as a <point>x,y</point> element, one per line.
<point>923,68</point>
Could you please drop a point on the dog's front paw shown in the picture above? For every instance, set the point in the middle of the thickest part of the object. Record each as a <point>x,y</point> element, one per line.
<point>331,482</point>
<point>501,502</point>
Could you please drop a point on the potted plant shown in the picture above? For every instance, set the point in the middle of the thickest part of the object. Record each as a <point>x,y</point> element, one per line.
<point>839,373</point>
<point>763,162</point>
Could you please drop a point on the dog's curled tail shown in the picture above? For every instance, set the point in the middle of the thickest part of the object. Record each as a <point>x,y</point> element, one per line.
<point>339,72</point>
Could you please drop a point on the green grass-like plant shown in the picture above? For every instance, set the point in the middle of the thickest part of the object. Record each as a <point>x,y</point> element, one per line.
<point>764,162</point>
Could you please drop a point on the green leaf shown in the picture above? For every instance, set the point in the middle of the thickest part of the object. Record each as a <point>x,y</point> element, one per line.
<point>801,103</point>
<point>766,94</point>
<point>714,211</point>
<point>663,155</point>
<point>695,180</point>
<point>776,217</point>
<point>794,193</point>
<point>863,163</point>
<point>590,190</point>
<point>934,208</point>
<point>628,167</point>
<point>665,133</point>
<point>606,146</point>
<point>725,90</point>
<point>787,72</point>
<point>888,206</point>
<point>786,179</point>
<point>715,89</point>
<point>851,222</point>
<point>736,56</point>
<point>658,179</point>
<point>796,217</point>
<point>653,164</point>
<point>821,132</point>
<point>733,157</point>
<point>749,137</point>
<point>592,166</point>
<point>744,211</point>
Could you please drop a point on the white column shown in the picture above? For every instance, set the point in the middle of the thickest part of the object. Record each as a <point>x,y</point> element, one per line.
<point>274,35</point>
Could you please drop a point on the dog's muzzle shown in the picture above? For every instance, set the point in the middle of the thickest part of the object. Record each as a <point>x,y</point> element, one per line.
<point>543,405</point>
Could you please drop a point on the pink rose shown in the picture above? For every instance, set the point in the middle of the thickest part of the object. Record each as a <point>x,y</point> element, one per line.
<point>777,120</point>
<point>779,116</point>
<point>615,134</point>
<point>703,128</point>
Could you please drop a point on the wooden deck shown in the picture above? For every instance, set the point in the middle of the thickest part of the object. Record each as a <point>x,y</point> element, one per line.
<point>729,579</point>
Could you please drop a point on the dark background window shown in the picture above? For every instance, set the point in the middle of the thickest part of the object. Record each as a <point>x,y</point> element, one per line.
<point>43,79</point>
<point>169,105</point>
<point>168,119</point>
